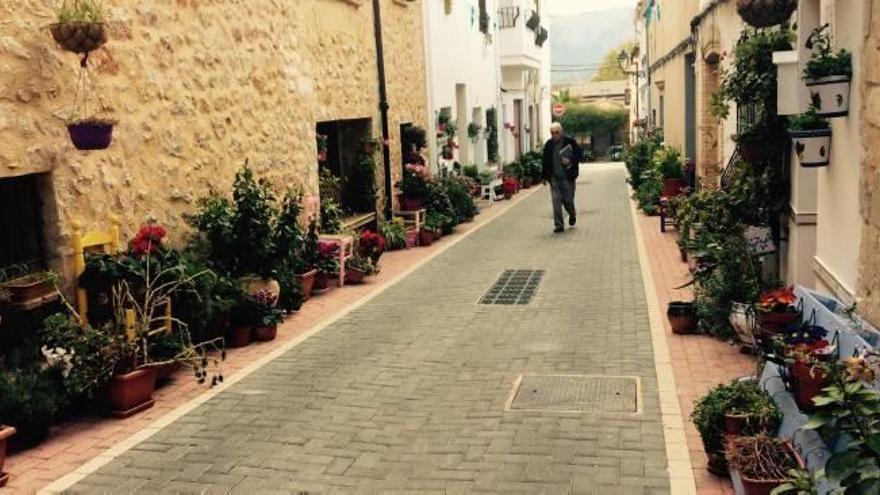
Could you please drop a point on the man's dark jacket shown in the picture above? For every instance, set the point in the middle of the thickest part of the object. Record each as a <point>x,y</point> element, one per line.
<point>573,170</point>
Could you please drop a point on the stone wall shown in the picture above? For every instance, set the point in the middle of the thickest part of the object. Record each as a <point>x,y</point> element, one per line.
<point>869,266</point>
<point>198,87</point>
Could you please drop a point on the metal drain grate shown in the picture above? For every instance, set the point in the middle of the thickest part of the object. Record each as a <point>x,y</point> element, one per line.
<point>514,287</point>
<point>576,393</point>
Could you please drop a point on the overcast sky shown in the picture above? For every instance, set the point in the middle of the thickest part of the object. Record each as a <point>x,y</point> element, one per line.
<point>573,7</point>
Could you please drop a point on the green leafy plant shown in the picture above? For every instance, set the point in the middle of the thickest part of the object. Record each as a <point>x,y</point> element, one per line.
<point>331,197</point>
<point>460,198</point>
<point>80,11</point>
<point>31,400</point>
<point>638,158</point>
<point>265,312</point>
<point>649,191</point>
<point>471,171</point>
<point>394,233</point>
<point>668,161</point>
<point>492,138</point>
<point>252,225</point>
<point>438,201</point>
<point>823,61</point>
<point>486,177</point>
<point>473,130</point>
<point>803,482</point>
<point>363,264</point>
<point>808,121</point>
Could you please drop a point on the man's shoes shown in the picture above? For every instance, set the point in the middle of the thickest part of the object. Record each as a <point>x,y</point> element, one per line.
<point>558,230</point>
<point>572,220</point>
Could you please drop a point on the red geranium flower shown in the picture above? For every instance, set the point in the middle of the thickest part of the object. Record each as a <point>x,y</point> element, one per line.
<point>148,239</point>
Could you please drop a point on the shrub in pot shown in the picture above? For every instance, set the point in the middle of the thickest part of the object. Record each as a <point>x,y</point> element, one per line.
<point>776,310</point>
<point>668,161</point>
<point>761,462</point>
<point>682,317</point>
<point>358,268</point>
<point>811,139</point>
<point>461,204</point>
<point>741,397</point>
<point>394,233</point>
<point>827,75</point>
<point>327,265</point>
<point>266,316</point>
<point>807,353</point>
<point>31,401</point>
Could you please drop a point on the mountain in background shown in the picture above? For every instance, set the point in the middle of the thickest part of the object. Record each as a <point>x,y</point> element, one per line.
<point>584,38</point>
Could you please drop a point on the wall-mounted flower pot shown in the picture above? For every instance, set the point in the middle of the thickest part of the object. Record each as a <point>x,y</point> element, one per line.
<point>682,317</point>
<point>813,148</point>
<point>5,433</point>
<point>534,21</point>
<point>830,95</point>
<point>765,13</point>
<point>265,333</point>
<point>306,283</point>
<point>79,37</point>
<point>426,238</point>
<point>322,283</point>
<point>87,135</point>
<point>129,393</point>
<point>239,336</point>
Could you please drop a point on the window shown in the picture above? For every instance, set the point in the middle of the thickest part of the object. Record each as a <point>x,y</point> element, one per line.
<point>349,146</point>
<point>662,111</point>
<point>21,222</point>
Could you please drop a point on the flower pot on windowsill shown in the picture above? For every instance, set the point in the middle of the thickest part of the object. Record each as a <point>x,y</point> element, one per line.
<point>91,134</point>
<point>79,37</point>
<point>426,238</point>
<point>5,433</point>
<point>240,336</point>
<point>265,333</point>
<point>830,95</point>
<point>812,147</point>
<point>682,317</point>
<point>129,393</point>
<point>306,282</point>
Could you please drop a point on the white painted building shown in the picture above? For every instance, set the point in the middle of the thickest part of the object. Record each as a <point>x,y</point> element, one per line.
<point>463,74</point>
<point>524,52</point>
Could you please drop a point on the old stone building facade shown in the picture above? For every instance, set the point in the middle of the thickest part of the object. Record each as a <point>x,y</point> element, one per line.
<point>198,88</point>
<point>869,263</point>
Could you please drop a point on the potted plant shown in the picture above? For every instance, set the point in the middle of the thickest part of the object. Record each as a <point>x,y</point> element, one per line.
<point>739,397</point>
<point>668,161</point>
<point>414,187</point>
<point>394,233</point>
<point>22,288</point>
<point>327,265</point>
<point>306,261</point>
<point>756,144</point>
<point>6,433</point>
<point>241,328</point>
<point>412,238</point>
<point>93,133</point>
<point>371,245</point>
<point>761,463</point>
<point>827,75</point>
<point>811,138</point>
<point>357,268</point>
<point>473,131</point>
<point>79,26</point>
<point>807,353</point>
<point>776,310</point>
<point>510,186</point>
<point>266,316</point>
<point>682,317</point>
<point>321,143</point>
<point>765,13</point>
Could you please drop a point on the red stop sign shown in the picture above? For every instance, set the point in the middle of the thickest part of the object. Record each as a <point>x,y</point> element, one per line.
<point>558,109</point>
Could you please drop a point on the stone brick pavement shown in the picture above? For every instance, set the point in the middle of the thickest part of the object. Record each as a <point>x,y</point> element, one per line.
<point>408,392</point>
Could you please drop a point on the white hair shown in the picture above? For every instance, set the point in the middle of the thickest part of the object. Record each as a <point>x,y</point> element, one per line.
<point>555,126</point>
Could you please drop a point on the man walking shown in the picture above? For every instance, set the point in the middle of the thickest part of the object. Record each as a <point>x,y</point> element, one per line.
<point>562,157</point>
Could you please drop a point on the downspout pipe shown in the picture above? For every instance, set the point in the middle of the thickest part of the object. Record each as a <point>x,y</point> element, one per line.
<point>383,105</point>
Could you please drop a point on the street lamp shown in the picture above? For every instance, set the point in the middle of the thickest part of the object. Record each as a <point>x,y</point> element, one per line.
<point>628,62</point>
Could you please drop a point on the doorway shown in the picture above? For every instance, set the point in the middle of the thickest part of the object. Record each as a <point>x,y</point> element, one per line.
<point>517,128</point>
<point>690,106</point>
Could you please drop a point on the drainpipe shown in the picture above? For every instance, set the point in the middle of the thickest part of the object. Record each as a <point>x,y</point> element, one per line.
<point>383,106</point>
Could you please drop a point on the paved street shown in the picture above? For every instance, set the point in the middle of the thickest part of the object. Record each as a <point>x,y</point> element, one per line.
<point>411,391</point>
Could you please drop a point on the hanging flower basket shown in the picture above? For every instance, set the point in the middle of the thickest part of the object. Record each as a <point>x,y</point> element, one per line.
<point>765,13</point>
<point>91,134</point>
<point>79,37</point>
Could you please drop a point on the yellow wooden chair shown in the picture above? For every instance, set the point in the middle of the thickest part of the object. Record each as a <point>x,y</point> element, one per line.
<point>101,241</point>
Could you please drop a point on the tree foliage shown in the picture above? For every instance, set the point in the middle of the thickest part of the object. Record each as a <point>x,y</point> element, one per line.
<point>593,119</point>
<point>609,68</point>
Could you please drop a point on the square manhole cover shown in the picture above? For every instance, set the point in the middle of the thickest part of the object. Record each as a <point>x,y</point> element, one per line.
<point>576,393</point>
<point>514,287</point>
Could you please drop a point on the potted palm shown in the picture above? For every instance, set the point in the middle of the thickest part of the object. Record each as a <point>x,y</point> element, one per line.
<point>761,463</point>
<point>811,138</point>
<point>827,75</point>
<point>266,316</point>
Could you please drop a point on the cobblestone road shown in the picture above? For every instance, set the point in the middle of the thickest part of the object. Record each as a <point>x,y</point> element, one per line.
<point>409,392</point>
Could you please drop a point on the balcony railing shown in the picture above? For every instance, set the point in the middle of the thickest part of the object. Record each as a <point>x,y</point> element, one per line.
<point>507,17</point>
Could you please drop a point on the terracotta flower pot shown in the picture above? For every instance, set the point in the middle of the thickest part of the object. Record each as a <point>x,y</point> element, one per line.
<point>426,238</point>
<point>130,393</point>
<point>87,136</point>
<point>766,487</point>
<point>166,371</point>
<point>306,282</point>
<point>322,283</point>
<point>265,333</point>
<point>240,336</point>
<point>672,187</point>
<point>28,288</point>
<point>773,323</point>
<point>5,433</point>
<point>807,384</point>
<point>717,464</point>
<point>412,238</point>
<point>354,276</point>
<point>743,424</point>
<point>682,317</point>
<point>411,203</point>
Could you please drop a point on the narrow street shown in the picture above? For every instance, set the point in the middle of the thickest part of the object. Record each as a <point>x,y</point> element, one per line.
<point>411,390</point>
